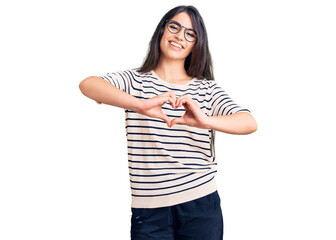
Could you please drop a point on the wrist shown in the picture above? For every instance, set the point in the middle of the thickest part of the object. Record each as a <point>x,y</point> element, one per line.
<point>137,106</point>
<point>208,122</point>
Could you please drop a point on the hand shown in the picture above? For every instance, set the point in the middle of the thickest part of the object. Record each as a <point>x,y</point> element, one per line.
<point>152,107</point>
<point>193,116</point>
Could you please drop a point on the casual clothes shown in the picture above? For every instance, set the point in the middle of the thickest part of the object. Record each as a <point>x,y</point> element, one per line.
<point>170,166</point>
<point>200,219</point>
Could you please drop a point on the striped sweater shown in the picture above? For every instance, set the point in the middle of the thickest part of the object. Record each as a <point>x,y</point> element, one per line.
<point>168,166</point>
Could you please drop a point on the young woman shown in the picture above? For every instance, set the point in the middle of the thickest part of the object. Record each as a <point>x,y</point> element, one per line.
<point>173,108</point>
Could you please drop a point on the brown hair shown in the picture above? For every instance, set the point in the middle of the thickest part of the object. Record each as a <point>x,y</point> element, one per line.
<point>198,63</point>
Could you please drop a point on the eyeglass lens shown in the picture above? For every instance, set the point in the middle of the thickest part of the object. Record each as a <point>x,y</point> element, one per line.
<point>175,27</point>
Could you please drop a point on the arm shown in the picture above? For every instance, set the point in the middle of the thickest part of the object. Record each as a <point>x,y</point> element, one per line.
<point>101,91</point>
<point>237,123</point>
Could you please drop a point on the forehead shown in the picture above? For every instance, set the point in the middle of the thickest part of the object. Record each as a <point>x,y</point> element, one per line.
<point>184,19</point>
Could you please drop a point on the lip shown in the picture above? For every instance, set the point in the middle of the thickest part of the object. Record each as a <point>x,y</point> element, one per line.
<point>175,47</point>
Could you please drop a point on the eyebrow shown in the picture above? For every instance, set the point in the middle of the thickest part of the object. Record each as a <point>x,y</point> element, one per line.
<point>183,26</point>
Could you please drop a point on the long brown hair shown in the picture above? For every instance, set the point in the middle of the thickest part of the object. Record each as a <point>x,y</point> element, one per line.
<point>198,63</point>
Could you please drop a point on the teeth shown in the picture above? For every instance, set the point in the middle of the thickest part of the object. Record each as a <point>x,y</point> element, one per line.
<point>176,45</point>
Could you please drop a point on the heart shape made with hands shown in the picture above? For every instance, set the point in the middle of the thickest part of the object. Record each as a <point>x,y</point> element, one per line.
<point>193,115</point>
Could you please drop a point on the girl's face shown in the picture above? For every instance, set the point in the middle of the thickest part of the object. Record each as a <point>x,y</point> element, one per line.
<point>175,46</point>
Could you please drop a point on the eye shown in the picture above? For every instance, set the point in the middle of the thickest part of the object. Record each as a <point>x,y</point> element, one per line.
<point>191,34</point>
<point>174,27</point>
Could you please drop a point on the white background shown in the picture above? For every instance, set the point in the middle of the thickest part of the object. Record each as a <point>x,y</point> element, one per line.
<point>63,169</point>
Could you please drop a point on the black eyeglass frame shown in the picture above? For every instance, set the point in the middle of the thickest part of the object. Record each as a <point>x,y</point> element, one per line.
<point>185,29</point>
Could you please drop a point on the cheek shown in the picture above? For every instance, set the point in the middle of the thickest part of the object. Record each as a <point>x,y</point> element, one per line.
<point>162,48</point>
<point>190,48</point>
<point>163,40</point>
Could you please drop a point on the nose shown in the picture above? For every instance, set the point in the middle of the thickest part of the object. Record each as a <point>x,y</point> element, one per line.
<point>180,35</point>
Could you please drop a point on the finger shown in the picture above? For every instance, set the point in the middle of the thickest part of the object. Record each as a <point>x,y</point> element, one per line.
<point>183,101</point>
<point>169,94</point>
<point>167,98</point>
<point>176,121</point>
<point>178,101</point>
<point>172,101</point>
<point>172,94</point>
<point>165,118</point>
<point>163,99</point>
<point>190,104</point>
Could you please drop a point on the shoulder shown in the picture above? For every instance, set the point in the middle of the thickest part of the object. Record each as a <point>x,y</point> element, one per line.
<point>141,75</point>
<point>205,83</point>
<point>126,74</point>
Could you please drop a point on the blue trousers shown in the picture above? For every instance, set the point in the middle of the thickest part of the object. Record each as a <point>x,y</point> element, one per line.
<point>200,219</point>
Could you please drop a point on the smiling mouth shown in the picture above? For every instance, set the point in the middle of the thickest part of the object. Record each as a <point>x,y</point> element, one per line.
<point>175,44</point>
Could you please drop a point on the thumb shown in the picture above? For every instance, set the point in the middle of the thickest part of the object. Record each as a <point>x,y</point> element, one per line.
<point>176,120</point>
<point>165,118</point>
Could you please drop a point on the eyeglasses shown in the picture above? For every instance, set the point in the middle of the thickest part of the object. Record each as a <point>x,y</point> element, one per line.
<point>175,27</point>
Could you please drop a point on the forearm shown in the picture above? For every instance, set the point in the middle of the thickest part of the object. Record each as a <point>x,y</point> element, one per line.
<point>237,123</point>
<point>103,92</point>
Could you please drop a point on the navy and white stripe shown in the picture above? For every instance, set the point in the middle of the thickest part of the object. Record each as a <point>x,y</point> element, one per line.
<point>168,166</point>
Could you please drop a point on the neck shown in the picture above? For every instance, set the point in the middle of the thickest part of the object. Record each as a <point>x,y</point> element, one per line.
<point>172,71</point>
